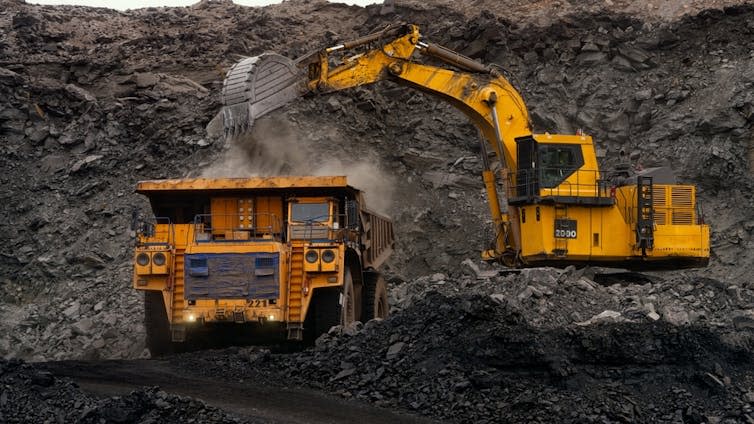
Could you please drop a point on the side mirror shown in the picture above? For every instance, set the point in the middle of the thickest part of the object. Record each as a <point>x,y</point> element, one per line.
<point>134,219</point>
<point>147,229</point>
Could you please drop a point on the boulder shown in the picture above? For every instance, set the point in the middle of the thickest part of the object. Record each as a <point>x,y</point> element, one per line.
<point>394,350</point>
<point>743,319</point>
<point>145,79</point>
<point>83,327</point>
<point>676,315</point>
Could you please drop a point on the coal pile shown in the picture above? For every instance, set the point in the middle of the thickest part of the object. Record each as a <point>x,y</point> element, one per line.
<point>552,298</point>
<point>474,357</point>
<point>29,394</point>
<point>155,406</point>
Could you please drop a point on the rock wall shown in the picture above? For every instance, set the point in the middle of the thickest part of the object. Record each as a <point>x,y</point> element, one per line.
<point>95,100</point>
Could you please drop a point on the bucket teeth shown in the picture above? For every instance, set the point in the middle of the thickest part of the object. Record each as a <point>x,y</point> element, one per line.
<point>256,86</point>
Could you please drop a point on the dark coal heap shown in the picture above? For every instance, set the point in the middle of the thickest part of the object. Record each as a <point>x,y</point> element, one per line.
<point>476,358</point>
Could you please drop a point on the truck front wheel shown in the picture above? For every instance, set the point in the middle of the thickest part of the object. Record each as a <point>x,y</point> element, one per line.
<point>334,306</point>
<point>156,324</point>
<point>347,300</point>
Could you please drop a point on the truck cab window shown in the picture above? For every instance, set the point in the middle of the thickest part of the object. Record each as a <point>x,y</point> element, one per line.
<point>557,162</point>
<point>303,212</point>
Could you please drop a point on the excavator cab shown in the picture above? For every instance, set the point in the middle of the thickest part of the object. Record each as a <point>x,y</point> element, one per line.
<point>557,168</point>
<point>558,162</point>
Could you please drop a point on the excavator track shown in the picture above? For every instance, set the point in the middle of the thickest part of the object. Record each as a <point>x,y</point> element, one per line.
<point>257,85</point>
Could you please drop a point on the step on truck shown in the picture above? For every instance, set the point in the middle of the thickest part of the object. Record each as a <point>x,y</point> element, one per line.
<point>286,256</point>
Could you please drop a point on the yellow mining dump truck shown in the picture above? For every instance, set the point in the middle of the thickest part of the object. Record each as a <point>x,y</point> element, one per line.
<point>288,255</point>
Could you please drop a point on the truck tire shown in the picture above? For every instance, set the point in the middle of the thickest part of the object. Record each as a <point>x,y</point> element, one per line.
<point>348,300</point>
<point>156,324</point>
<point>329,311</point>
<point>375,304</point>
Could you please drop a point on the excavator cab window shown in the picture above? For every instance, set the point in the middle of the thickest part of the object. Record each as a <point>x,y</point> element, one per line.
<point>527,183</point>
<point>557,162</point>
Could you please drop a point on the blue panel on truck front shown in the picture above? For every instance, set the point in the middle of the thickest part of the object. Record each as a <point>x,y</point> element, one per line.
<point>232,276</point>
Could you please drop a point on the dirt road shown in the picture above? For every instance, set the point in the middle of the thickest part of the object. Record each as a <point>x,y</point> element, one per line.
<point>244,399</point>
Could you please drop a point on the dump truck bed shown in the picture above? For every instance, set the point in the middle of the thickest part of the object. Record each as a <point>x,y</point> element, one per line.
<point>378,236</point>
<point>251,183</point>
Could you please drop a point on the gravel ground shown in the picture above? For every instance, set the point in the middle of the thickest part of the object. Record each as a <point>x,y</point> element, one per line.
<point>31,395</point>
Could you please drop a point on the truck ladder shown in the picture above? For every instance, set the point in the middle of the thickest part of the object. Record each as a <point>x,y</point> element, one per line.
<point>295,293</point>
<point>645,214</point>
<point>178,302</point>
<point>561,243</point>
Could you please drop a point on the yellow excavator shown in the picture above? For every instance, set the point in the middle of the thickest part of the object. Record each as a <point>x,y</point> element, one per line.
<point>561,209</point>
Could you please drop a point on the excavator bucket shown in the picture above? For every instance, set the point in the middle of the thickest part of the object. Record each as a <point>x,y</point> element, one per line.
<point>257,85</point>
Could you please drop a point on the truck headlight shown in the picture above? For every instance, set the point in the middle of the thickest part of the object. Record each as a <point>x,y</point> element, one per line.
<point>158,259</point>
<point>328,256</point>
<point>312,256</point>
<point>142,259</point>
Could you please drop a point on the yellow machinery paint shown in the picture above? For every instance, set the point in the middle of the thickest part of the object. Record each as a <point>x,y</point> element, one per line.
<point>602,219</point>
<point>560,208</point>
<point>257,250</point>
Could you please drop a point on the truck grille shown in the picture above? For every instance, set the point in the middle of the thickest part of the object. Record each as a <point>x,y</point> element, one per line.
<point>232,276</point>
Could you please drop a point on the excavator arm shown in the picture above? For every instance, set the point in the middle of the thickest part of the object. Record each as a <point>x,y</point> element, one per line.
<point>481,93</point>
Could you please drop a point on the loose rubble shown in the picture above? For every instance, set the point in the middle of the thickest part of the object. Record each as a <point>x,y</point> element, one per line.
<point>553,298</point>
<point>476,350</point>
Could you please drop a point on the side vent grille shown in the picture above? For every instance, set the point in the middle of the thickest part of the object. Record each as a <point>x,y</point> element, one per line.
<point>682,197</point>
<point>674,204</point>
<point>681,217</point>
<point>660,216</point>
<point>659,193</point>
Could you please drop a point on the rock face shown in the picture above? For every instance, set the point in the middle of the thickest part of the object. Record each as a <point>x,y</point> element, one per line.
<point>95,100</point>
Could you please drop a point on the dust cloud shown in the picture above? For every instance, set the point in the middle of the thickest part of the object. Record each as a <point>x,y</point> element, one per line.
<point>275,147</point>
